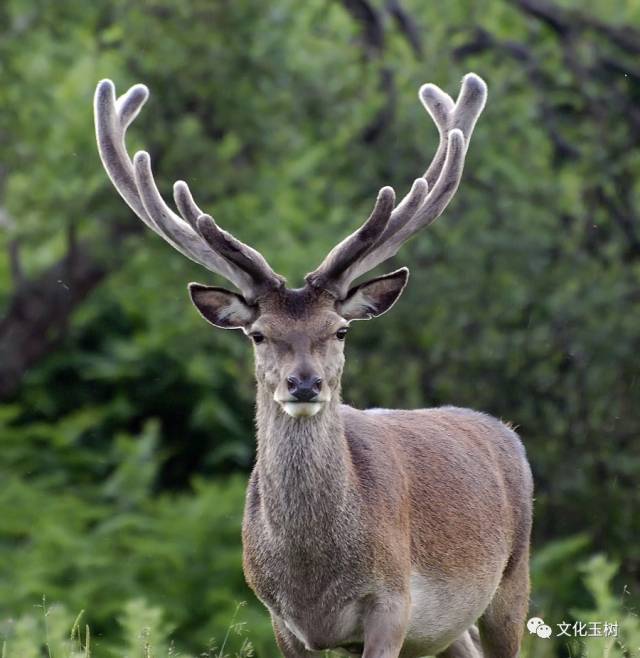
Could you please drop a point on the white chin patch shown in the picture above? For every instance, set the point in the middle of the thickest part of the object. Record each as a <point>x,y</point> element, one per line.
<point>301,409</point>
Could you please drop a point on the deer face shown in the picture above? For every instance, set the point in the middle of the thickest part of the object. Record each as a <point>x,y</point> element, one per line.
<point>299,335</point>
<point>300,360</point>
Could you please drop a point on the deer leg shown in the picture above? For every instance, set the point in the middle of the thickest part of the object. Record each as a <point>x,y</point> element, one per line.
<point>502,623</point>
<point>385,627</point>
<point>288,643</point>
<point>466,646</point>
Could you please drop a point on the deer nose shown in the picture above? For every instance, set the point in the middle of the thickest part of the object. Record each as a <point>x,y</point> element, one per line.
<point>304,389</point>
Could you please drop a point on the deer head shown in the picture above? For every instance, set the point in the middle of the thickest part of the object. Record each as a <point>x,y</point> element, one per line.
<point>298,334</point>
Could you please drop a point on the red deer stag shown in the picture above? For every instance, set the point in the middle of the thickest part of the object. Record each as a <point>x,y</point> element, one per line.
<point>380,533</point>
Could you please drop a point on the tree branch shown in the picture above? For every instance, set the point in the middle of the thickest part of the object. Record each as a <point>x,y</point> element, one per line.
<point>38,312</point>
<point>406,25</point>
<point>370,23</point>
<point>15,264</point>
<point>564,21</point>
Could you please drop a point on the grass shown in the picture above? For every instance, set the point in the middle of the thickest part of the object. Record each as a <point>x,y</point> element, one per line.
<point>146,634</point>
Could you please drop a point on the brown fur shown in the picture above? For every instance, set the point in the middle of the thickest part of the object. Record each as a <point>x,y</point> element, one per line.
<point>344,506</point>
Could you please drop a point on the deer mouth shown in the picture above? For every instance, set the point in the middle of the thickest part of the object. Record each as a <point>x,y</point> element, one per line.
<point>298,409</point>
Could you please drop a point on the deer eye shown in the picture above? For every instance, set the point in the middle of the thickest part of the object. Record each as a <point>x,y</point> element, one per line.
<point>257,337</point>
<point>341,333</point>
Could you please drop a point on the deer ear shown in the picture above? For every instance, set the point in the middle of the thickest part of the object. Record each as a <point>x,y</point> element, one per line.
<point>373,298</point>
<point>221,307</point>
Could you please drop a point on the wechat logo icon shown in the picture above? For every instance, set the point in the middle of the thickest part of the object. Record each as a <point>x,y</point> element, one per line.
<point>537,627</point>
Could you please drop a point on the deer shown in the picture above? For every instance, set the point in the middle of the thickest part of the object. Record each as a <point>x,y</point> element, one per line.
<point>377,533</point>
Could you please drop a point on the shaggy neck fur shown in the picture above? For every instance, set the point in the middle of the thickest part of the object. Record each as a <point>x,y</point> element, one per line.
<point>304,467</point>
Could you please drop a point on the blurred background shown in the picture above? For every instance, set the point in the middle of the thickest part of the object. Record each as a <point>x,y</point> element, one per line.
<point>126,422</point>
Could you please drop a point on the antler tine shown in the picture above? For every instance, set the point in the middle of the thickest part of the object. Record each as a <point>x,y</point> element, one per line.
<point>111,121</point>
<point>249,260</point>
<point>221,241</point>
<point>174,229</point>
<point>339,259</point>
<point>128,106</point>
<point>455,123</point>
<point>441,108</point>
<point>406,209</point>
<point>187,207</point>
<point>134,181</point>
<point>447,116</point>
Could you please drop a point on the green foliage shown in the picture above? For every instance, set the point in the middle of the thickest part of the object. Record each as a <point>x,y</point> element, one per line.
<point>125,451</point>
<point>598,577</point>
<point>106,536</point>
<point>602,601</point>
<point>144,634</point>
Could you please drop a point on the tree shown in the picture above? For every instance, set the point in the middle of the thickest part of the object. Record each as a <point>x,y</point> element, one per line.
<point>286,119</point>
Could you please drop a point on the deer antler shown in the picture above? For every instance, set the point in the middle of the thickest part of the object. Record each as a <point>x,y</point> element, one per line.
<point>195,234</point>
<point>382,235</point>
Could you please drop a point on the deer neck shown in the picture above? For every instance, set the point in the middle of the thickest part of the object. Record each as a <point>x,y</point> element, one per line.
<point>304,466</point>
